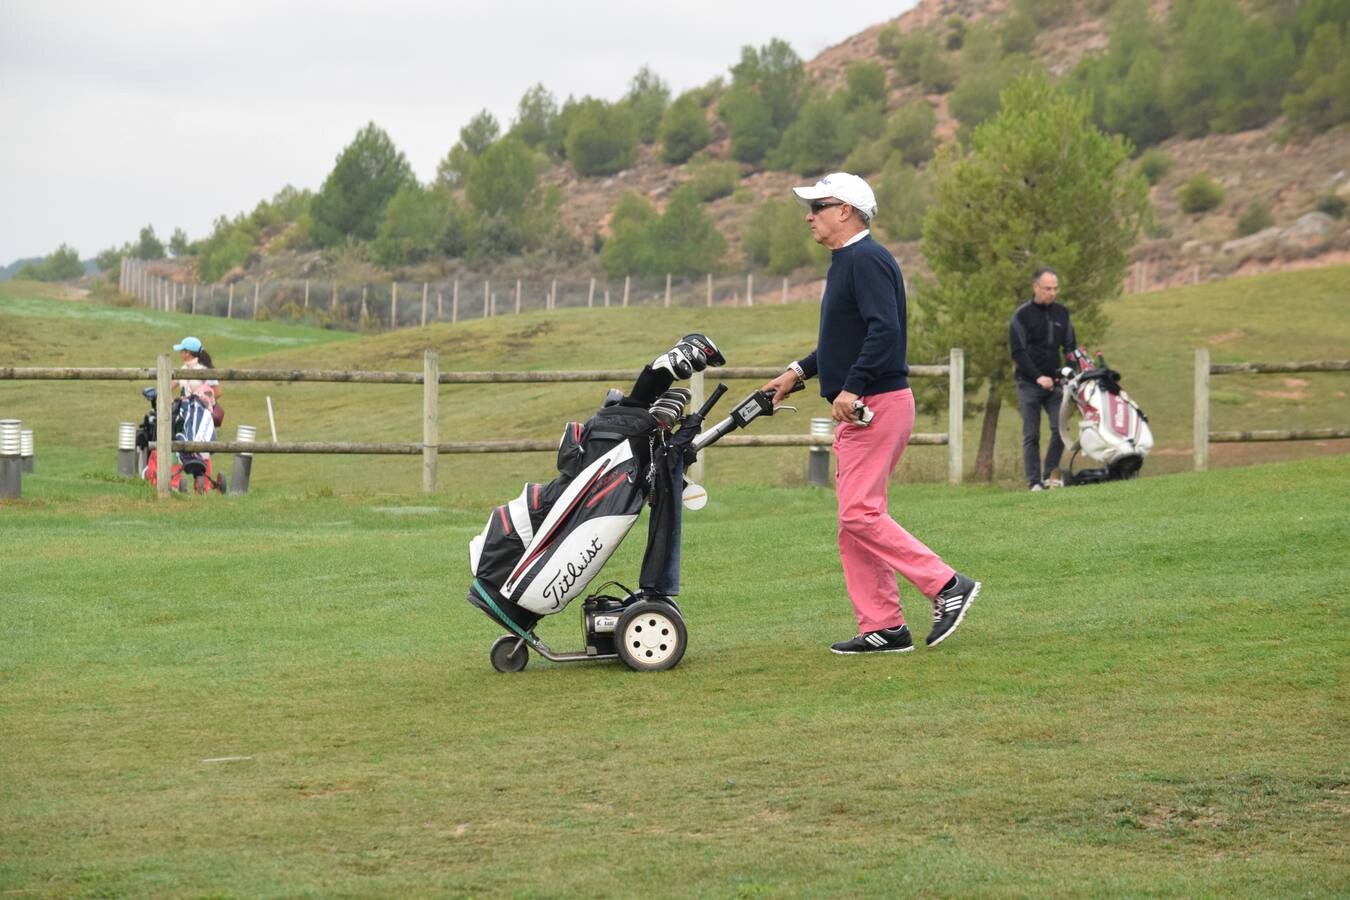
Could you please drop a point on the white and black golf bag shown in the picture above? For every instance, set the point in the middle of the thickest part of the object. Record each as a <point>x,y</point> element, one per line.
<point>1112,429</point>
<point>541,550</point>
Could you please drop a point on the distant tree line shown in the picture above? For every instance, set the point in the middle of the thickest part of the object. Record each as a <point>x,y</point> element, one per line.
<point>1208,66</point>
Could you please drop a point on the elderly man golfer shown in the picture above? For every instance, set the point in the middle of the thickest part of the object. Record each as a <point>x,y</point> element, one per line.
<point>859,359</point>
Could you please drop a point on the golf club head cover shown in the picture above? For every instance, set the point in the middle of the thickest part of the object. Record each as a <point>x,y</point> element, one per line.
<point>676,361</point>
<point>706,347</point>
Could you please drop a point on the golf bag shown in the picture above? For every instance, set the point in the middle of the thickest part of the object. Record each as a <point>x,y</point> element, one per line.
<point>1112,429</point>
<point>541,550</point>
<point>192,421</point>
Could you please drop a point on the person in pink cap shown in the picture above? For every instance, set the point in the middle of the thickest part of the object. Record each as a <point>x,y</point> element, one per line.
<point>860,361</point>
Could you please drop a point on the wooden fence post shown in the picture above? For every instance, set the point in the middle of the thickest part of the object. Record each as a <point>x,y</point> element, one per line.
<point>431,384</point>
<point>709,290</point>
<point>229,307</point>
<point>393,305</point>
<point>750,289</point>
<point>194,298</point>
<point>440,306</point>
<point>1201,422</point>
<point>257,289</point>
<point>667,290</point>
<point>163,424</point>
<point>425,288</point>
<point>956,414</point>
<point>332,300</point>
<point>454,303</point>
<point>626,279</point>
<point>517,296</point>
<point>553,294</point>
<point>785,287</point>
<point>306,293</point>
<point>590,295</point>
<point>365,311</point>
<point>487,299</point>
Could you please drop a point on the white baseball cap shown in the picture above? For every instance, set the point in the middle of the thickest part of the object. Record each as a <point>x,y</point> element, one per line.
<point>841,186</point>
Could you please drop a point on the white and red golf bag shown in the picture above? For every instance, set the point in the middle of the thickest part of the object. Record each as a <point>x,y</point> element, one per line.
<point>1112,429</point>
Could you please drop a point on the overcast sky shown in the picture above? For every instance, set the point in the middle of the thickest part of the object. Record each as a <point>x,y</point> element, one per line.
<point>121,114</point>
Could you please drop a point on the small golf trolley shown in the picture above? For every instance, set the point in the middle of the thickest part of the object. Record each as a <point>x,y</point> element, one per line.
<point>540,551</point>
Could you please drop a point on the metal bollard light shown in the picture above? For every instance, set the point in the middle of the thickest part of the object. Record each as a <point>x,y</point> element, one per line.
<point>818,461</point>
<point>11,468</point>
<point>243,462</point>
<point>26,450</point>
<point>126,450</point>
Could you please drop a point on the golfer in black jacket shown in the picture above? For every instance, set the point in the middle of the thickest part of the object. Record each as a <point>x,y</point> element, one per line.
<point>1040,335</point>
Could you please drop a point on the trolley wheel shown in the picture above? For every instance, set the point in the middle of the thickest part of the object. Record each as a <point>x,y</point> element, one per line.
<point>509,654</point>
<point>650,636</point>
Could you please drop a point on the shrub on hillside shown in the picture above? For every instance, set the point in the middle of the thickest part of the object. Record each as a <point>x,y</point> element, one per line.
<point>1319,95</point>
<point>1019,33</point>
<point>1154,164</point>
<point>62,264</point>
<point>866,84</point>
<point>713,180</point>
<point>147,245</point>
<point>647,97</point>
<point>536,120</point>
<point>910,132</point>
<point>889,42</point>
<point>368,174</point>
<point>601,138</point>
<point>767,89</point>
<point>1254,218</point>
<point>778,240</point>
<point>1332,205</point>
<point>818,140</point>
<point>680,241</point>
<point>1200,194</point>
<point>902,200</point>
<point>684,129</point>
<point>419,223</point>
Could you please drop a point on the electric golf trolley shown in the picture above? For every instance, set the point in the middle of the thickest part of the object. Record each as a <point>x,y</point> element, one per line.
<point>541,550</point>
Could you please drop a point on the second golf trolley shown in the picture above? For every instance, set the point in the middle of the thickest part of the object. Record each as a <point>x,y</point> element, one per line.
<point>540,551</point>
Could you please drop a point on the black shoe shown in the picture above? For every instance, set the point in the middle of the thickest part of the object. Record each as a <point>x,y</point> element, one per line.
<point>887,640</point>
<point>949,608</point>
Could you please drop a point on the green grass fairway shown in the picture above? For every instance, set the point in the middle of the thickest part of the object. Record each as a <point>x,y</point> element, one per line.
<point>271,697</point>
<point>286,694</point>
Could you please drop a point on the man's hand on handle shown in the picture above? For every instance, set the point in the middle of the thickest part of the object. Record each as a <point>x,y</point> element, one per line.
<point>1046,382</point>
<point>782,386</point>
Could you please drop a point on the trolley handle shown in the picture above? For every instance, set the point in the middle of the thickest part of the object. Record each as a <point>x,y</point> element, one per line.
<point>712,400</point>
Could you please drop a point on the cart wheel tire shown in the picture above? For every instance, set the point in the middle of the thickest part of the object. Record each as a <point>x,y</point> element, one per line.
<point>650,636</point>
<point>509,654</point>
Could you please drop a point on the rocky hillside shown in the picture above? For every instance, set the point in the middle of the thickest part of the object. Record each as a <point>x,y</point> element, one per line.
<point>1252,166</point>
<point>1288,177</point>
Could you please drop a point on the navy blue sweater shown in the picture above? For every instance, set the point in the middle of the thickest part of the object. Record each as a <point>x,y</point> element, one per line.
<point>861,346</point>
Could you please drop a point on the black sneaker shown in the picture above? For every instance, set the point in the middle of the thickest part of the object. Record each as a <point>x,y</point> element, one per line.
<point>887,640</point>
<point>949,608</point>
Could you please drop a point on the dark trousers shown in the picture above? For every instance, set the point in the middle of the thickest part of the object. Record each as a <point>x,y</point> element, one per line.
<point>1031,400</point>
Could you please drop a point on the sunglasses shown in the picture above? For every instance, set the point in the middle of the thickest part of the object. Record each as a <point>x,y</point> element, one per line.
<point>818,206</point>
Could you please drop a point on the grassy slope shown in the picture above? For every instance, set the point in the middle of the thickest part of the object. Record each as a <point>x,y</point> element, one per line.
<point>1291,316</point>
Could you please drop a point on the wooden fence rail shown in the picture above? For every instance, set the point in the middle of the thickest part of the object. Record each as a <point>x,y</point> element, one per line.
<point>430,377</point>
<point>1203,437</point>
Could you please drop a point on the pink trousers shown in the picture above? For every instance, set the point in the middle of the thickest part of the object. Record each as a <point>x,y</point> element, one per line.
<point>872,546</point>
